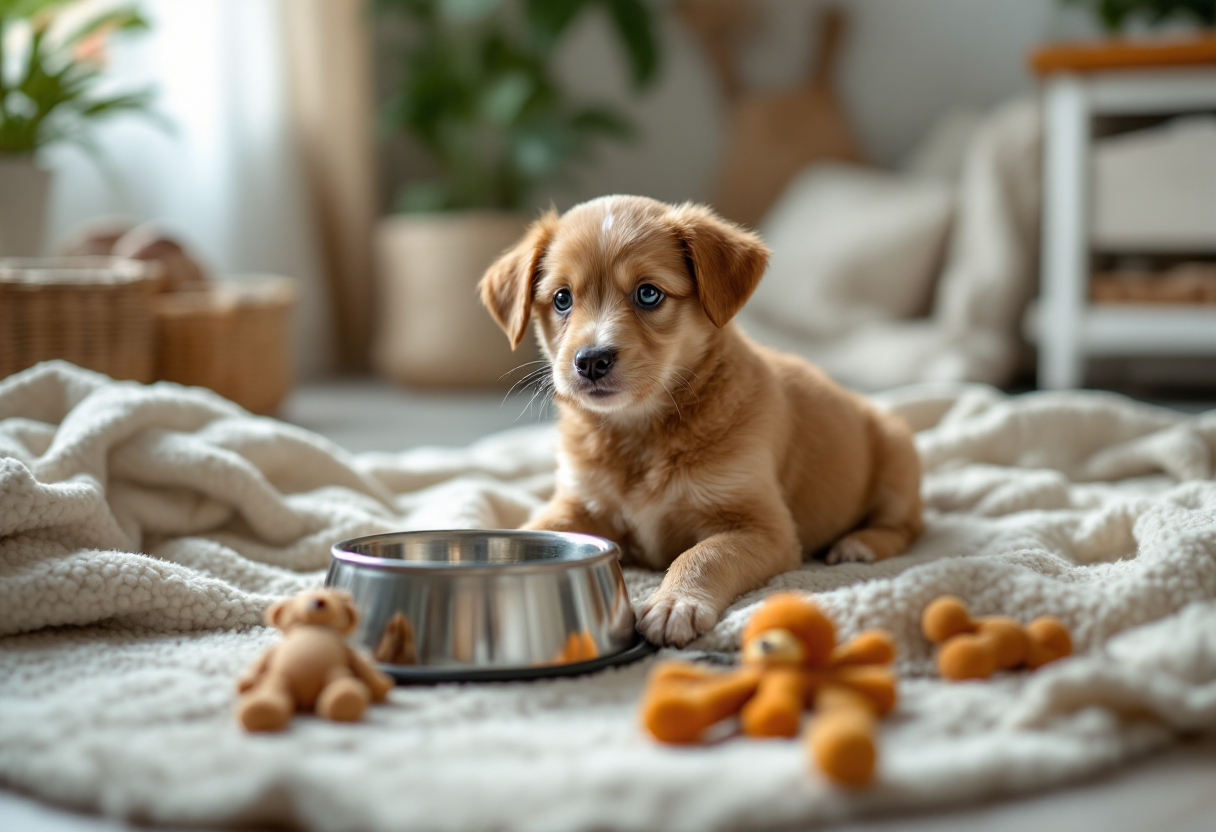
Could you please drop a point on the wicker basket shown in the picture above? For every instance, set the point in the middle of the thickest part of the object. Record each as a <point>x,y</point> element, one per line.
<point>234,339</point>
<point>92,311</point>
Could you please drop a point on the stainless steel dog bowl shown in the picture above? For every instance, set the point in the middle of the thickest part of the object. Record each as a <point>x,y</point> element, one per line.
<point>481,605</point>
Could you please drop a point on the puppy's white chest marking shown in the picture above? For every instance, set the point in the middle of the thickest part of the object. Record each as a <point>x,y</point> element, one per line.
<point>650,522</point>
<point>654,514</point>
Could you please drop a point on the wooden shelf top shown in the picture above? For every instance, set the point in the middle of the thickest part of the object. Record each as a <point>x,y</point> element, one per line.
<point>1116,53</point>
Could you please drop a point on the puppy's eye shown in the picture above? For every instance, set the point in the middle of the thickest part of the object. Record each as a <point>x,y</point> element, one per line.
<point>563,300</point>
<point>649,296</point>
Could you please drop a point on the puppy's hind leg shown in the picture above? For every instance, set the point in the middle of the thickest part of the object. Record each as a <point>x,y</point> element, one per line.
<point>894,517</point>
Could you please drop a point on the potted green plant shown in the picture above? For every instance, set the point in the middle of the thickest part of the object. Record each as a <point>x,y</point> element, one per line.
<point>52,57</point>
<point>1114,15</point>
<point>477,92</point>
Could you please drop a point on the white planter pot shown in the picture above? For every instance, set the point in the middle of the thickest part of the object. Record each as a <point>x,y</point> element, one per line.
<point>432,329</point>
<point>24,193</point>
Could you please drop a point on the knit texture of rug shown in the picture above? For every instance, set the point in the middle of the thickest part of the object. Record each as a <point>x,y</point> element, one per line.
<point>144,529</point>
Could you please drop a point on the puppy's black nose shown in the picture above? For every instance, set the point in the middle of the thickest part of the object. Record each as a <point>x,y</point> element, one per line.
<point>594,362</point>
<point>318,603</point>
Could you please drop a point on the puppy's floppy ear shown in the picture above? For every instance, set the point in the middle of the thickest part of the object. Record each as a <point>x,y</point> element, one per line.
<point>506,288</point>
<point>727,260</point>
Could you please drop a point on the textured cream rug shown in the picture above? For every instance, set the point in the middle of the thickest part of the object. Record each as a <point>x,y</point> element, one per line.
<point>144,529</point>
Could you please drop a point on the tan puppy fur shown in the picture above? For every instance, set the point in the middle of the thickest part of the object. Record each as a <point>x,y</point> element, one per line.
<point>698,451</point>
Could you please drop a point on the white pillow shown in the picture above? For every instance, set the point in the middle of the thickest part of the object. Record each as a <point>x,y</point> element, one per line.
<point>851,245</point>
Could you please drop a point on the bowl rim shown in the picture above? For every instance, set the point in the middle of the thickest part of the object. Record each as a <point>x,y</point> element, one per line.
<point>608,550</point>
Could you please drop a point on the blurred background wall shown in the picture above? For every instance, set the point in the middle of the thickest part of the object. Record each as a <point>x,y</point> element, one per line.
<point>905,64</point>
<point>229,178</point>
<point>225,175</point>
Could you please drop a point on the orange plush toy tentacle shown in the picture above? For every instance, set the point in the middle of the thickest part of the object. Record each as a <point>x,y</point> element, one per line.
<point>870,647</point>
<point>876,685</point>
<point>776,709</point>
<point>679,710</point>
<point>843,738</point>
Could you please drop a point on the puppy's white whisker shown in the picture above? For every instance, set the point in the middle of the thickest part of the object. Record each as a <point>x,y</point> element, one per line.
<point>537,375</point>
<point>528,406</point>
<point>521,366</point>
<point>679,415</point>
<point>530,378</point>
<point>688,388</point>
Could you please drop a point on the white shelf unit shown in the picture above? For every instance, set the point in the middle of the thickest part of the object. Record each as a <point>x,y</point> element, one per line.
<point>1137,329</point>
<point>1066,327</point>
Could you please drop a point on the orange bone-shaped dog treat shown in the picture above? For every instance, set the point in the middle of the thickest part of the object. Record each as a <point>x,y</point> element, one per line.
<point>977,648</point>
<point>1049,640</point>
<point>790,662</point>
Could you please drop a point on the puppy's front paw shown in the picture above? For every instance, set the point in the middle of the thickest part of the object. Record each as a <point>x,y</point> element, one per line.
<point>850,550</point>
<point>672,619</point>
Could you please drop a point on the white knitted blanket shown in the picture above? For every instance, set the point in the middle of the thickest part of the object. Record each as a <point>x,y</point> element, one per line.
<point>144,529</point>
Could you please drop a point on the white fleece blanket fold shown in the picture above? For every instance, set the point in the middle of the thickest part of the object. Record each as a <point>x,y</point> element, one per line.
<point>143,529</point>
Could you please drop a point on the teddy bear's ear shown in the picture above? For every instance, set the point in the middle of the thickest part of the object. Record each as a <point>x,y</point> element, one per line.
<point>348,607</point>
<point>278,614</point>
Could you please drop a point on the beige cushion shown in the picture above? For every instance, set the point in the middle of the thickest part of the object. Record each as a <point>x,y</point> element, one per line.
<point>851,245</point>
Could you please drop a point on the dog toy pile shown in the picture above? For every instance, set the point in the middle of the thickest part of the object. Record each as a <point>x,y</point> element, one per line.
<point>975,648</point>
<point>791,662</point>
<point>312,668</point>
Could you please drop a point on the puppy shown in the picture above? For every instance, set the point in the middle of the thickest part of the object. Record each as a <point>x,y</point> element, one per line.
<point>695,449</point>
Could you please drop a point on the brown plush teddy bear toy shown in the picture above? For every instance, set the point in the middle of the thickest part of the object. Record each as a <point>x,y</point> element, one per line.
<point>790,662</point>
<point>312,668</point>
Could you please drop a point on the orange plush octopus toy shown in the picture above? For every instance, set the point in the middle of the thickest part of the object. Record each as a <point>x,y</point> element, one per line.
<point>791,662</point>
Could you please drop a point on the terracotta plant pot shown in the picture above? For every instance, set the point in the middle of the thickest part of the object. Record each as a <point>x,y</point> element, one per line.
<point>24,193</point>
<point>432,329</point>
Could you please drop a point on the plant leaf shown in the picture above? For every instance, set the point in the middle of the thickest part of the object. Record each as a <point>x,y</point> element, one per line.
<point>423,197</point>
<point>21,9</point>
<point>462,11</point>
<point>506,96</point>
<point>634,26</point>
<point>603,121</point>
<point>115,20</point>
<point>547,19</point>
<point>127,101</point>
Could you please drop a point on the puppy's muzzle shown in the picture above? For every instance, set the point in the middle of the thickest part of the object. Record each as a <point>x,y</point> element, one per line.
<point>593,363</point>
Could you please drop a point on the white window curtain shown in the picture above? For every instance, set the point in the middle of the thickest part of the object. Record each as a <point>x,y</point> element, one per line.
<point>227,177</point>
